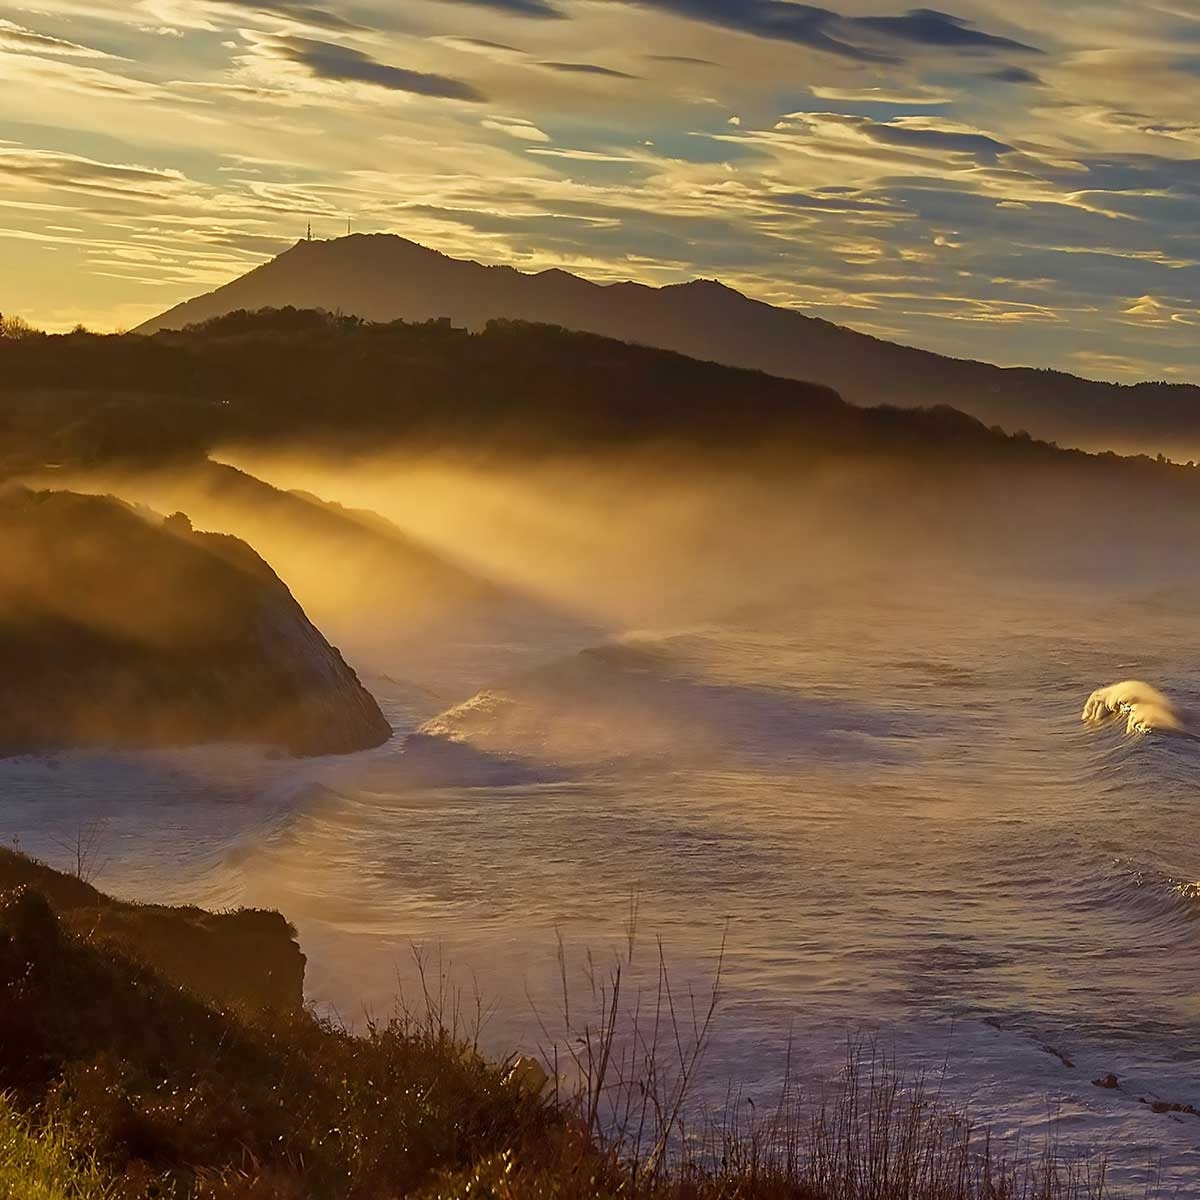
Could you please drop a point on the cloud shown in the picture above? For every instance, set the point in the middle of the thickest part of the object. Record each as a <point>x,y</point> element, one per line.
<point>17,37</point>
<point>70,75</point>
<point>866,39</point>
<point>296,13</point>
<point>592,156</point>
<point>341,64</point>
<point>864,139</point>
<point>954,141</point>
<point>912,96</point>
<point>517,128</point>
<point>47,169</point>
<point>928,27</point>
<point>470,45</point>
<point>837,200</point>
<point>880,148</point>
<point>518,8</point>
<point>1015,75</point>
<point>682,60</point>
<point>779,20</point>
<point>570,68</point>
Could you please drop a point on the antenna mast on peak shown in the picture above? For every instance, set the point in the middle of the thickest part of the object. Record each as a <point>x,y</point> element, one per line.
<point>309,237</point>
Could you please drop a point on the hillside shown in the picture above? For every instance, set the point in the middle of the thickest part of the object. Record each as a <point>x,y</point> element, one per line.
<point>301,376</point>
<point>383,278</point>
<point>116,629</point>
<point>120,406</point>
<point>247,958</point>
<point>172,1095</point>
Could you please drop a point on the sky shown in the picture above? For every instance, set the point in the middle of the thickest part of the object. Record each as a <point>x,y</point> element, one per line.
<point>1010,180</point>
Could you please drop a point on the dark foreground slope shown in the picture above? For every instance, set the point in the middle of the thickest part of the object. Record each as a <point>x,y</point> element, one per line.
<point>118,1084</point>
<point>384,278</point>
<point>116,629</point>
<point>247,958</point>
<point>177,1097</point>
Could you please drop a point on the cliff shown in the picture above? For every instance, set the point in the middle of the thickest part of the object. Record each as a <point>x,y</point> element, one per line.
<point>118,629</point>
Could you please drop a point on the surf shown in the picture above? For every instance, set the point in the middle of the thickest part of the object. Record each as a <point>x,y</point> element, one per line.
<point>1145,708</point>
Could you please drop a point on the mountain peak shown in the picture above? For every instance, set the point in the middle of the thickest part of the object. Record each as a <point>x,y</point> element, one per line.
<point>709,285</point>
<point>385,277</point>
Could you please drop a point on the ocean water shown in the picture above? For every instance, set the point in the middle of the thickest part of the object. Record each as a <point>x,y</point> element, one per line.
<point>887,809</point>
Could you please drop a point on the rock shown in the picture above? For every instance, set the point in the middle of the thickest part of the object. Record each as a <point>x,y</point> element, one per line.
<point>1107,1081</point>
<point>1169,1106</point>
<point>118,630</point>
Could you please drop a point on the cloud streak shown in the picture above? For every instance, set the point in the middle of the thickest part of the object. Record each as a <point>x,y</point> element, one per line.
<point>342,64</point>
<point>940,177</point>
<point>865,39</point>
<point>572,68</point>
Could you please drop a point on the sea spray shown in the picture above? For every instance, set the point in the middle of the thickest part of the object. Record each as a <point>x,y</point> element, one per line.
<point>1146,708</point>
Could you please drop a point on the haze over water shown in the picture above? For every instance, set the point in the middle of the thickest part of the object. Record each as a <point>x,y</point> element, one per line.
<point>884,794</point>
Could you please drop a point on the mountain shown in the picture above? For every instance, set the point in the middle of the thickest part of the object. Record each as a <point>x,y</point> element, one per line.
<point>120,630</point>
<point>382,278</point>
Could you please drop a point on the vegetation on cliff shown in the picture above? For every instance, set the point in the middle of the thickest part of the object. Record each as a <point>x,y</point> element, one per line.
<point>120,629</point>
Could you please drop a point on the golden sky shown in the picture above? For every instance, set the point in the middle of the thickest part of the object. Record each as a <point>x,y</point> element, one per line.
<point>1007,180</point>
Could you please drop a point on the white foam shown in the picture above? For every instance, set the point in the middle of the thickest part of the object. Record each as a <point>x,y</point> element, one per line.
<point>1146,708</point>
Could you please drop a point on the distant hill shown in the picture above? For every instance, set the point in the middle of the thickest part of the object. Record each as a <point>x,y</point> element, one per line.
<point>120,630</point>
<point>338,386</point>
<point>383,278</point>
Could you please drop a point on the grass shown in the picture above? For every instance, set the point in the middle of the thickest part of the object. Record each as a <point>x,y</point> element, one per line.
<point>173,1098</point>
<point>42,1164</point>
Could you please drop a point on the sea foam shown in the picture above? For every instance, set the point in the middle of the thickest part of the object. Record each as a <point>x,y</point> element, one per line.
<point>1145,708</point>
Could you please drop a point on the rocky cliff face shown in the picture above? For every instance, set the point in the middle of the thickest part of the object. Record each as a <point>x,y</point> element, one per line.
<point>248,958</point>
<point>119,629</point>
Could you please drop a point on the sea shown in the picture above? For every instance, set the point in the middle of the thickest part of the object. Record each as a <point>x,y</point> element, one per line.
<point>871,817</point>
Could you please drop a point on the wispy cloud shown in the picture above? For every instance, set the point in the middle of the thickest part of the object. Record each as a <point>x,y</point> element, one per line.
<point>945,177</point>
<point>866,38</point>
<point>573,68</point>
<point>343,64</point>
<point>542,9</point>
<point>17,37</point>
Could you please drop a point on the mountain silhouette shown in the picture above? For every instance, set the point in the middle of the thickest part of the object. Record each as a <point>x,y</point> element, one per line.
<point>381,277</point>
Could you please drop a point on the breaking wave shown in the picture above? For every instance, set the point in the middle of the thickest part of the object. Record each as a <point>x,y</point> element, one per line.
<point>1145,708</point>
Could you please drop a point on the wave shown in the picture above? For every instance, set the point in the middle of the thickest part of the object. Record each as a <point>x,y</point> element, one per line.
<point>1152,894</point>
<point>1145,708</point>
<point>658,705</point>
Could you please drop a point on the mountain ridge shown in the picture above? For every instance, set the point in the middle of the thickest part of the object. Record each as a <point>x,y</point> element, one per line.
<point>384,277</point>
